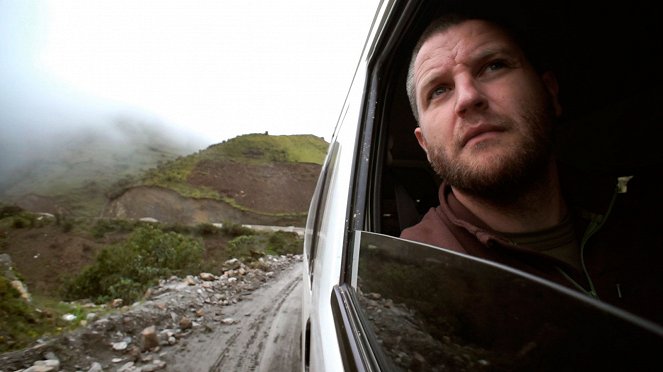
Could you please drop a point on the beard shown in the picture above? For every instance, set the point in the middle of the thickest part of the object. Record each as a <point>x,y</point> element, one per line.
<point>505,177</point>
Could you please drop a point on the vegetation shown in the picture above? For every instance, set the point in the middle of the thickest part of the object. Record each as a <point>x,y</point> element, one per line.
<point>262,148</point>
<point>22,322</point>
<point>174,175</point>
<point>16,217</point>
<point>125,269</point>
<point>250,148</point>
<point>133,255</point>
<point>250,247</point>
<point>82,179</point>
<point>19,323</point>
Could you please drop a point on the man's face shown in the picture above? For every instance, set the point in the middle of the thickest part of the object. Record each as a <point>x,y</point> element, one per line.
<point>485,115</point>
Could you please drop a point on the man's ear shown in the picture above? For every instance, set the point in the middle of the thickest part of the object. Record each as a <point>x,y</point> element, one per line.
<point>550,80</point>
<point>422,140</point>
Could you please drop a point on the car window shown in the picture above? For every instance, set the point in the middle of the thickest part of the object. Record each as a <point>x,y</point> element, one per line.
<point>317,207</point>
<point>418,307</point>
<point>401,305</point>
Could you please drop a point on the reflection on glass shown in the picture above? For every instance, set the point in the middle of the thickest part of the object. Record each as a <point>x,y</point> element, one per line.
<point>430,309</point>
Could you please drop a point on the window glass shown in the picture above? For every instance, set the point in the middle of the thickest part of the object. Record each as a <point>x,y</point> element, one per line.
<point>318,204</point>
<point>432,309</point>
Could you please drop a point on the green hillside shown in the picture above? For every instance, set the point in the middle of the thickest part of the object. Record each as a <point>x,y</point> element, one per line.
<point>249,148</point>
<point>82,173</point>
<point>265,148</point>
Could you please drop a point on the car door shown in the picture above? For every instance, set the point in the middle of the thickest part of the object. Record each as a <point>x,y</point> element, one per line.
<point>384,303</point>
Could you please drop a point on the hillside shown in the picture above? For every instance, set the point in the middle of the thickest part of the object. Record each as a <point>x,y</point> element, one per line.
<point>251,179</point>
<point>71,172</point>
<point>254,178</point>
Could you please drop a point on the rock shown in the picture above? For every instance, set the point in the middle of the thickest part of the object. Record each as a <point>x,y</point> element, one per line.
<point>127,367</point>
<point>50,365</point>
<point>185,323</point>
<point>124,328</point>
<point>95,367</point>
<point>149,339</point>
<point>153,366</point>
<point>232,264</point>
<point>119,346</point>
<point>69,317</point>
<point>22,289</point>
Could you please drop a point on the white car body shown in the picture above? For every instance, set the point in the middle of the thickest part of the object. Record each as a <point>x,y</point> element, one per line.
<point>346,216</point>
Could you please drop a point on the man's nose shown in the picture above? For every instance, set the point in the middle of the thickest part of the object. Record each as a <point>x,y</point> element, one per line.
<point>468,95</point>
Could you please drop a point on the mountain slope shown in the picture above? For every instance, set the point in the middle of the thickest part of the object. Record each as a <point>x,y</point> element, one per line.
<point>254,178</point>
<point>71,171</point>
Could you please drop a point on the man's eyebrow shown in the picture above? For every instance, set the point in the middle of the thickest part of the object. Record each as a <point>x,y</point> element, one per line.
<point>429,80</point>
<point>500,50</point>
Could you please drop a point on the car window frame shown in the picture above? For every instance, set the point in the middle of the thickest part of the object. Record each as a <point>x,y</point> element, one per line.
<point>363,214</point>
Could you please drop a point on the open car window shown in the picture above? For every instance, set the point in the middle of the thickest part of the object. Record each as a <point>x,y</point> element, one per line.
<point>401,305</point>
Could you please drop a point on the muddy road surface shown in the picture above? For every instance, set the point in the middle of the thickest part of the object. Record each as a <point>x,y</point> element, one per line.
<point>247,319</point>
<point>263,333</point>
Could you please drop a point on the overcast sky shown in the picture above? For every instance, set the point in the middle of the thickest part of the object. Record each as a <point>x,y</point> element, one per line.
<point>212,69</point>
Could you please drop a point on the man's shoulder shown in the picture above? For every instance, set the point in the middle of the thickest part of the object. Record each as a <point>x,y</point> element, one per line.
<point>433,229</point>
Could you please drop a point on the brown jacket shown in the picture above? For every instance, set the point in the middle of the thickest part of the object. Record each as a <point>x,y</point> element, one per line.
<point>624,258</point>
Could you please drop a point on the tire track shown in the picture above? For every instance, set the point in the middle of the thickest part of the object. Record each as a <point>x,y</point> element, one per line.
<point>244,348</point>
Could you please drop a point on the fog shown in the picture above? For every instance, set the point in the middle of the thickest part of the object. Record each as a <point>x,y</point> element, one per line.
<point>39,122</point>
<point>186,75</point>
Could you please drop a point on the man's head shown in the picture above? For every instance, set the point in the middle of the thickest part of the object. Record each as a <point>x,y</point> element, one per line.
<point>485,113</point>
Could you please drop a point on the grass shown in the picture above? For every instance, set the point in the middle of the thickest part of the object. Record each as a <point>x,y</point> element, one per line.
<point>21,322</point>
<point>125,269</point>
<point>250,148</point>
<point>261,148</point>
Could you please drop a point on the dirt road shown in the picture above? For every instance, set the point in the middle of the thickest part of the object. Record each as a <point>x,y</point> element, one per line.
<point>264,334</point>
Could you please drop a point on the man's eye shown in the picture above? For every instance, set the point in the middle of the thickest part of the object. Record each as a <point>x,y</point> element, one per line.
<point>495,65</point>
<point>438,91</point>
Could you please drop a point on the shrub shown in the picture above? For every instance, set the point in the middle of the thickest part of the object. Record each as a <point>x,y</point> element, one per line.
<point>246,247</point>
<point>20,222</point>
<point>104,226</point>
<point>67,226</point>
<point>234,230</point>
<point>127,269</point>
<point>249,247</point>
<point>15,318</point>
<point>9,211</point>
<point>204,229</point>
<point>283,242</point>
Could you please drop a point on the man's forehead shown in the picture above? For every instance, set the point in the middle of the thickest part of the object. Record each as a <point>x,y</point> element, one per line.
<point>462,38</point>
<point>460,43</point>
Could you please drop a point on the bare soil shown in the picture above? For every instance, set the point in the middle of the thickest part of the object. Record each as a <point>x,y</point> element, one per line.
<point>246,319</point>
<point>45,255</point>
<point>268,194</point>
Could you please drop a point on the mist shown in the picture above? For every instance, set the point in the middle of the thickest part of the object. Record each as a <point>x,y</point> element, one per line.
<point>43,120</point>
<point>185,77</point>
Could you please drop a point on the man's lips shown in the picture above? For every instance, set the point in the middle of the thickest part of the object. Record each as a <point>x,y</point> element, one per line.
<point>479,130</point>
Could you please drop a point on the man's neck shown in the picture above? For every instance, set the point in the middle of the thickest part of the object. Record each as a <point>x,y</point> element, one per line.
<point>540,208</point>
